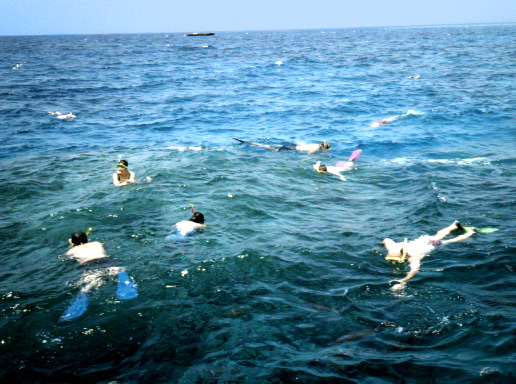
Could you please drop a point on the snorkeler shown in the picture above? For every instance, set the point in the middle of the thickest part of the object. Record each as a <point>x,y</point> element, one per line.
<point>60,116</point>
<point>414,251</point>
<point>123,176</point>
<point>393,118</point>
<point>181,149</point>
<point>310,148</point>
<point>341,166</point>
<point>194,224</point>
<point>95,265</point>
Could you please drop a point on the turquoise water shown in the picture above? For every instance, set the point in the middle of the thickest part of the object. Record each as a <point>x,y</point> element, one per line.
<point>289,282</point>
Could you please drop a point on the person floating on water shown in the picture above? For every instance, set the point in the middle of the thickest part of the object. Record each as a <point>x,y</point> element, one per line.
<point>61,116</point>
<point>181,149</point>
<point>341,166</point>
<point>123,176</point>
<point>310,148</point>
<point>414,251</point>
<point>393,118</point>
<point>194,224</point>
<point>95,266</point>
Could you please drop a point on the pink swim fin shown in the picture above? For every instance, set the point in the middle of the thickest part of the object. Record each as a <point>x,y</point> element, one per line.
<point>353,157</point>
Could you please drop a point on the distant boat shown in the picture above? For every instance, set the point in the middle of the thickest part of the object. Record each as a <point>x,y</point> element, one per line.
<point>201,34</point>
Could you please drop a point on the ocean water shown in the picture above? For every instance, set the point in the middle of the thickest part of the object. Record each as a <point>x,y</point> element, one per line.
<point>288,283</point>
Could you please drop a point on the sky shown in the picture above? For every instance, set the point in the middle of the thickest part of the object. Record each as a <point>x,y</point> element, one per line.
<point>52,17</point>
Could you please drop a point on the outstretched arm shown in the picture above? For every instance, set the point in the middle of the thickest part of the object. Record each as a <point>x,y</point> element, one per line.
<point>414,269</point>
<point>337,173</point>
<point>341,177</point>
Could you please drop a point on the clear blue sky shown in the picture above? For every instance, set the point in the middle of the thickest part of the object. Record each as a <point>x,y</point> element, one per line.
<point>48,17</point>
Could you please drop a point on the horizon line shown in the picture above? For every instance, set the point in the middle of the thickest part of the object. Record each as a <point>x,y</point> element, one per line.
<point>273,30</point>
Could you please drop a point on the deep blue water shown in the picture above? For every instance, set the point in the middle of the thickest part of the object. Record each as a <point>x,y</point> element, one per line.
<point>288,283</point>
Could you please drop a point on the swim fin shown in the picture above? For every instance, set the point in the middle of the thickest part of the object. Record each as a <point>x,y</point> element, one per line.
<point>482,230</point>
<point>126,289</point>
<point>488,230</point>
<point>78,306</point>
<point>355,155</point>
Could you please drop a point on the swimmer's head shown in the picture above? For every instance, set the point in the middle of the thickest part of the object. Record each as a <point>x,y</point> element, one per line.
<point>325,145</point>
<point>122,164</point>
<point>394,250</point>
<point>79,238</point>
<point>197,217</point>
<point>391,245</point>
<point>322,168</point>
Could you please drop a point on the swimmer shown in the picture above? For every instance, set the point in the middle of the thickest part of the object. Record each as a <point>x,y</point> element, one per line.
<point>341,166</point>
<point>67,117</point>
<point>393,118</point>
<point>181,149</point>
<point>414,251</point>
<point>123,176</point>
<point>96,266</point>
<point>60,116</point>
<point>322,168</point>
<point>312,148</point>
<point>309,148</point>
<point>194,224</point>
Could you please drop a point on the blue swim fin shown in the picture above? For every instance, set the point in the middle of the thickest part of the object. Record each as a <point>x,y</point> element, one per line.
<point>78,306</point>
<point>126,289</point>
